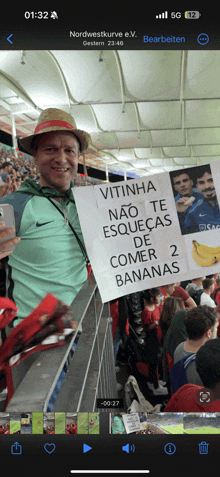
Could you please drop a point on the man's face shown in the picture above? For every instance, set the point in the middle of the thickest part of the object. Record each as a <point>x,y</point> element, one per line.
<point>8,169</point>
<point>57,150</point>
<point>171,288</point>
<point>213,331</point>
<point>212,287</point>
<point>205,185</point>
<point>183,185</point>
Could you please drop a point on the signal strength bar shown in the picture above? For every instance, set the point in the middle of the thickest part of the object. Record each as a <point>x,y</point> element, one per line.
<point>162,16</point>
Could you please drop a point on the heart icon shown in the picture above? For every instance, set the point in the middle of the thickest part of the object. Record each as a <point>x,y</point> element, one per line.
<point>49,448</point>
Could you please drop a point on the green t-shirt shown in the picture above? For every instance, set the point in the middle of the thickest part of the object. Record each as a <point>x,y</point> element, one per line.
<point>118,425</point>
<point>48,258</point>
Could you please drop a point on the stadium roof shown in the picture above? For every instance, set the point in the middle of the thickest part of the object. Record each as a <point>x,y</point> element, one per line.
<point>146,111</point>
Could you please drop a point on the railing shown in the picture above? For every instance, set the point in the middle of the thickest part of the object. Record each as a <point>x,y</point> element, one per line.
<point>83,368</point>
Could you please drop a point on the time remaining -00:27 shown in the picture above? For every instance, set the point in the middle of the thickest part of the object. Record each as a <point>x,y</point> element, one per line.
<point>110,403</point>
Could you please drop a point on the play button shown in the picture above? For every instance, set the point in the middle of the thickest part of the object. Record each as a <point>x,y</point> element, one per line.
<point>86,448</point>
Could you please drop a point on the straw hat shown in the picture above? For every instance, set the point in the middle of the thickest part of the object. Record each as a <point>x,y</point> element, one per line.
<point>53,119</point>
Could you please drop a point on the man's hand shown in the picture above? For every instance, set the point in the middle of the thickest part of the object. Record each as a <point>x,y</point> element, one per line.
<point>9,243</point>
<point>181,206</point>
<point>9,186</point>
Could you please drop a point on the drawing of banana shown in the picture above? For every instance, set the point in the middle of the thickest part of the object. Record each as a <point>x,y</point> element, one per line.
<point>205,249</point>
<point>205,256</point>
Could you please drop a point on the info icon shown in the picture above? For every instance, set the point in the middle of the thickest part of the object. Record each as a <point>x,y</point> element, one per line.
<point>204,396</point>
<point>170,448</point>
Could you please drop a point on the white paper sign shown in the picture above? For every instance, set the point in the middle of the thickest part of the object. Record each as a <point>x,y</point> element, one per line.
<point>132,422</point>
<point>135,237</point>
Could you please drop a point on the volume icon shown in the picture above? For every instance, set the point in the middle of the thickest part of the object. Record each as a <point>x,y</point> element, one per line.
<point>128,448</point>
<point>162,16</point>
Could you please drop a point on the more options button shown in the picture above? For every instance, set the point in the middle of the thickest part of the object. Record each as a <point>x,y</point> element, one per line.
<point>203,39</point>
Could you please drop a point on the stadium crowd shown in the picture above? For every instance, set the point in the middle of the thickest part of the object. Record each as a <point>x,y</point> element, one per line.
<point>171,342</point>
<point>17,169</point>
<point>197,420</point>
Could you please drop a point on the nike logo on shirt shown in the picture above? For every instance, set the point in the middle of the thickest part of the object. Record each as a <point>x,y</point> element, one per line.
<point>40,225</point>
<point>202,215</point>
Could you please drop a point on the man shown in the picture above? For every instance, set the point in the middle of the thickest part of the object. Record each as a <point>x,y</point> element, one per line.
<point>183,184</point>
<point>117,424</point>
<point>51,256</point>
<point>208,286</point>
<point>196,284</point>
<point>165,291</point>
<point>6,169</point>
<point>201,325</point>
<point>179,292</point>
<point>214,276</point>
<point>208,367</point>
<point>195,289</point>
<point>205,214</point>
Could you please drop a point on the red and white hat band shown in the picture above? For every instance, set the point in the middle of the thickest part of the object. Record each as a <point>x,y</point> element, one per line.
<point>52,123</point>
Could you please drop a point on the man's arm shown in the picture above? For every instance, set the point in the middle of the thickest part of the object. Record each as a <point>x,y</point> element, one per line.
<point>190,303</point>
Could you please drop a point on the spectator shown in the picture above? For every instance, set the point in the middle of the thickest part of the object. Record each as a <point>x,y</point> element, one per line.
<point>31,266</point>
<point>6,168</point>
<point>166,291</point>
<point>51,256</point>
<point>150,321</point>
<point>130,308</point>
<point>201,325</point>
<point>117,423</point>
<point>218,312</point>
<point>171,306</point>
<point>195,284</point>
<point>214,277</point>
<point>176,333</point>
<point>195,289</point>
<point>208,286</point>
<point>179,292</point>
<point>208,367</point>
<point>216,294</point>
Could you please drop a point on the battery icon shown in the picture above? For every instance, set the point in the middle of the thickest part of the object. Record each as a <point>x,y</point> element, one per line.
<point>192,15</point>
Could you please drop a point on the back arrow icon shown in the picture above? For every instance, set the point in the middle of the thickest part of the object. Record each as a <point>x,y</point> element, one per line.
<point>10,37</point>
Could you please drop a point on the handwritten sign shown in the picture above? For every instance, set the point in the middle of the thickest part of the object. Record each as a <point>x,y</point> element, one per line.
<point>132,422</point>
<point>135,237</point>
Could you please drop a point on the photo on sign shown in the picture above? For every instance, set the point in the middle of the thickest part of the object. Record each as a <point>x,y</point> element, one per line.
<point>196,200</point>
<point>128,423</point>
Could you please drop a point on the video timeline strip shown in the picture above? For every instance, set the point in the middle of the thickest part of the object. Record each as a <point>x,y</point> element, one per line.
<point>60,423</point>
<point>114,423</point>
